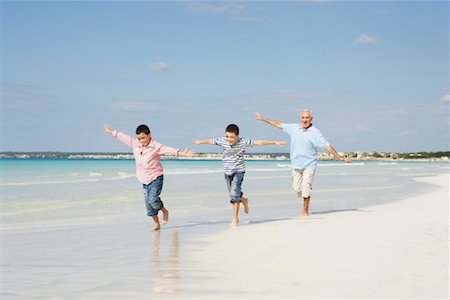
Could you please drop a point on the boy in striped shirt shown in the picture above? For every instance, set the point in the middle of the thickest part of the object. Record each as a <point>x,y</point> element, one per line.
<point>234,165</point>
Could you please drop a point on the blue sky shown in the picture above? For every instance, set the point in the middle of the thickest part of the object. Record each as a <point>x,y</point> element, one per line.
<point>375,74</point>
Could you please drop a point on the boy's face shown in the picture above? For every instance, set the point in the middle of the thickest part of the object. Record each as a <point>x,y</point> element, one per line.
<point>232,138</point>
<point>144,139</point>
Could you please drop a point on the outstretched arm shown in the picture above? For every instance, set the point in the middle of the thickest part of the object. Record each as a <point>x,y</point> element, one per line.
<point>208,141</point>
<point>127,140</point>
<point>276,124</point>
<point>333,151</point>
<point>269,142</point>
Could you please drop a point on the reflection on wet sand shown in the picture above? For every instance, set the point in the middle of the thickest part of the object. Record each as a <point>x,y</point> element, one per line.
<point>166,265</point>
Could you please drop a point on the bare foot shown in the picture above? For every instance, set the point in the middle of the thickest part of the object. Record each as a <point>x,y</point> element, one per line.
<point>245,203</point>
<point>156,227</point>
<point>305,214</point>
<point>165,216</point>
<point>234,223</point>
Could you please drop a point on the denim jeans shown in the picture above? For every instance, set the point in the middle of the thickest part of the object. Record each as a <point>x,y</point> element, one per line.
<point>152,200</point>
<point>234,183</point>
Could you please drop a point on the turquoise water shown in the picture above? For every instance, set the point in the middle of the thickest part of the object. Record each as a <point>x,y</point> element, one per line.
<point>65,192</point>
<point>77,229</point>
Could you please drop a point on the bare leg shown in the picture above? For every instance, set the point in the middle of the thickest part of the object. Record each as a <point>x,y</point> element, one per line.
<point>235,214</point>
<point>245,204</point>
<point>157,225</point>
<point>165,215</point>
<point>306,206</point>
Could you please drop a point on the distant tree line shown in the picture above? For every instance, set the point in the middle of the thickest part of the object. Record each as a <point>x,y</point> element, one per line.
<point>324,155</point>
<point>424,154</point>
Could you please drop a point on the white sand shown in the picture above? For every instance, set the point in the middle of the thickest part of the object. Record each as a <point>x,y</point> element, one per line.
<point>396,250</point>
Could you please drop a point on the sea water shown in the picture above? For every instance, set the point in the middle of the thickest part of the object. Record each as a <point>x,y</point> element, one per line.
<point>45,193</point>
<point>77,229</point>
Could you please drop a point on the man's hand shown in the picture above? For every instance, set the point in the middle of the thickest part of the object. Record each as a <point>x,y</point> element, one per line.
<point>259,116</point>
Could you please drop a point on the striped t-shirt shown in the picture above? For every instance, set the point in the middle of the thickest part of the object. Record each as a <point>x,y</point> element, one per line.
<point>233,155</point>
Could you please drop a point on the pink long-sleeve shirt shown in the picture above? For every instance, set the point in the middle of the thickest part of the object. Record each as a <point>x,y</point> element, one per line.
<point>148,160</point>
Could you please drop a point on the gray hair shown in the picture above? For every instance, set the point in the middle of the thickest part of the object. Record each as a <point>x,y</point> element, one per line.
<point>307,110</point>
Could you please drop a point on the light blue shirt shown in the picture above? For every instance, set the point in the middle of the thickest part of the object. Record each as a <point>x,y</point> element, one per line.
<point>305,144</point>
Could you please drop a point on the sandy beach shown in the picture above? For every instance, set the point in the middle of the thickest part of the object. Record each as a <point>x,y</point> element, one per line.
<point>82,237</point>
<point>398,250</point>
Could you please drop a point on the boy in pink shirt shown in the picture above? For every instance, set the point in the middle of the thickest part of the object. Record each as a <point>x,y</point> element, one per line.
<point>149,170</point>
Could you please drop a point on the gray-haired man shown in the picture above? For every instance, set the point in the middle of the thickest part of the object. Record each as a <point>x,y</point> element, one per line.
<point>306,141</point>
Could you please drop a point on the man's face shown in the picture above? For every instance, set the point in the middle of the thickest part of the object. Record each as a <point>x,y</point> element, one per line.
<point>306,119</point>
<point>232,138</point>
<point>144,139</point>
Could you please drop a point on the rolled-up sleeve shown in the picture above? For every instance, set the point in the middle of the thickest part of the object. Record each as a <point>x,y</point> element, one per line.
<point>320,140</point>
<point>288,127</point>
<point>249,142</point>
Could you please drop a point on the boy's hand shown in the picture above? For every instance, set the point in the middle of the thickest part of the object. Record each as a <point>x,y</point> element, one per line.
<point>108,128</point>
<point>199,142</point>
<point>186,152</point>
<point>259,116</point>
<point>281,143</point>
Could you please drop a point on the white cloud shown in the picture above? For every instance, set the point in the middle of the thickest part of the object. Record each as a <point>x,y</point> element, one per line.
<point>383,12</point>
<point>217,7</point>
<point>281,95</point>
<point>236,10</point>
<point>12,94</point>
<point>364,129</point>
<point>446,98</point>
<point>19,96</point>
<point>405,133</point>
<point>146,106</point>
<point>314,1</point>
<point>135,106</point>
<point>364,39</point>
<point>248,18</point>
<point>159,66</point>
<point>17,91</point>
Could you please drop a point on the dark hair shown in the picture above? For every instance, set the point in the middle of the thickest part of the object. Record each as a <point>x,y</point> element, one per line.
<point>233,128</point>
<point>143,129</point>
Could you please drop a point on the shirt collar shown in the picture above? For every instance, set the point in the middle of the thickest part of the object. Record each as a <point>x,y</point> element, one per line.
<point>150,145</point>
<point>306,129</point>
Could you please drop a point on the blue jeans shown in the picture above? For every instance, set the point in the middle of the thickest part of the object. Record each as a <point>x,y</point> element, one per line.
<point>152,200</point>
<point>234,183</point>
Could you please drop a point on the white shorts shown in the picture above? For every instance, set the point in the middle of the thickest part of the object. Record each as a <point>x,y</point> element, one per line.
<point>302,180</point>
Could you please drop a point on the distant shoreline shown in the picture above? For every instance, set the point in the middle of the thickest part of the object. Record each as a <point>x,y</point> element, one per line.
<point>357,156</point>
